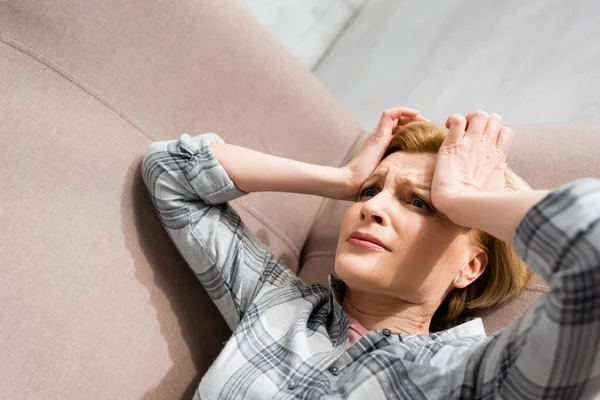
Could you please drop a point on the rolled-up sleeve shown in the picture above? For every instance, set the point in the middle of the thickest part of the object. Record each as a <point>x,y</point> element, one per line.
<point>190,190</point>
<point>552,351</point>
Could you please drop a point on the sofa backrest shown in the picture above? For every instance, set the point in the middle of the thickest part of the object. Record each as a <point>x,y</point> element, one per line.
<point>95,300</point>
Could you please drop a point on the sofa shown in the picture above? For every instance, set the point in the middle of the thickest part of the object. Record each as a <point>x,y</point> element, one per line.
<point>95,301</point>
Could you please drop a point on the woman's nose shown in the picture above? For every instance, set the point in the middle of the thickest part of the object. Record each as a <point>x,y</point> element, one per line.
<point>374,210</point>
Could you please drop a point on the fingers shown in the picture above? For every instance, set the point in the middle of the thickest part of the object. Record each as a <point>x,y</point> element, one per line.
<point>456,125</point>
<point>397,112</point>
<point>492,129</point>
<point>504,141</point>
<point>481,126</point>
<point>476,123</point>
<point>405,119</point>
<point>402,114</point>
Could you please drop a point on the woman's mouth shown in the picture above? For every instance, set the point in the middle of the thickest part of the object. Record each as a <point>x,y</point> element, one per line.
<point>366,241</point>
<point>365,244</point>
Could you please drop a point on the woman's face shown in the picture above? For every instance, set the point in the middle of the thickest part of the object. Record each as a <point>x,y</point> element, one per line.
<point>423,250</point>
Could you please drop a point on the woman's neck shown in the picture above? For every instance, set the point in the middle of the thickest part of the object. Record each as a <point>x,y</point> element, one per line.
<point>376,312</point>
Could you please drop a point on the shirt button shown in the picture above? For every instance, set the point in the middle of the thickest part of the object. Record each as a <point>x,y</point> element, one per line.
<point>386,332</point>
<point>334,370</point>
<point>293,385</point>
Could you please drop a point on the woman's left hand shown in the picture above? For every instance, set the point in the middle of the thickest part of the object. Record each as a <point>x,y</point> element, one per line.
<point>370,154</point>
<point>472,158</point>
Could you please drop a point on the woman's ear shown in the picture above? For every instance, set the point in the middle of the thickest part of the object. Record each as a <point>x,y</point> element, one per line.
<point>472,270</point>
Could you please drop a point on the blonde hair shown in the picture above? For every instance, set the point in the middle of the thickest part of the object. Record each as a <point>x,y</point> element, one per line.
<point>506,275</point>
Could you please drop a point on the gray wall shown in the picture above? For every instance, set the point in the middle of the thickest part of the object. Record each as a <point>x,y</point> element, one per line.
<point>306,28</point>
<point>529,61</point>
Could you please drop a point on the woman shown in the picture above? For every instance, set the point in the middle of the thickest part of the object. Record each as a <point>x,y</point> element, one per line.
<point>411,240</point>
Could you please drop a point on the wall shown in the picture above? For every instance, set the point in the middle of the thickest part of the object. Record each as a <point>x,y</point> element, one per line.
<point>306,28</point>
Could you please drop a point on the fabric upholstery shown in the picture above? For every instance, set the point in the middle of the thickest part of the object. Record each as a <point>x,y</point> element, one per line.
<point>192,66</point>
<point>95,300</point>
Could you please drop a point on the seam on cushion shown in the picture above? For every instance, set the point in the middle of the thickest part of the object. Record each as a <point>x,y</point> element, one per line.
<point>78,83</point>
<point>272,228</point>
<point>138,125</point>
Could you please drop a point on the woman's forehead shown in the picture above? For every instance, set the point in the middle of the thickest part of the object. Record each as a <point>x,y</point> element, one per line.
<point>406,168</point>
<point>419,163</point>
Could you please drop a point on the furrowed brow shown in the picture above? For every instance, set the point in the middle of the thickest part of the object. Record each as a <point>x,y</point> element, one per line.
<point>376,176</point>
<point>381,173</point>
<point>422,186</point>
<point>401,182</point>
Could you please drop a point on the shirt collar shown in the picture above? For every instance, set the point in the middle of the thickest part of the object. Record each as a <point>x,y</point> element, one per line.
<point>472,327</point>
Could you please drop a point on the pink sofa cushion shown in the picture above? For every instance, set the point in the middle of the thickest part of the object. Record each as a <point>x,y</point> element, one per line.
<point>95,300</point>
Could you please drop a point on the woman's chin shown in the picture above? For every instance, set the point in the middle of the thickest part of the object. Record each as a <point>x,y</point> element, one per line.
<point>357,272</point>
<point>366,260</point>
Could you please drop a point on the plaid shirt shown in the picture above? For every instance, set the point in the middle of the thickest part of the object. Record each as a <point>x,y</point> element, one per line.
<point>290,339</point>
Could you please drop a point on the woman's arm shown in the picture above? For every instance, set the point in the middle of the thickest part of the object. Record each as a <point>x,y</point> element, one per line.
<point>497,213</point>
<point>553,350</point>
<point>190,191</point>
<point>253,171</point>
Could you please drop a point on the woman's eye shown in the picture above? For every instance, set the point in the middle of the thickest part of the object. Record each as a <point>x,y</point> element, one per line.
<point>370,191</point>
<point>419,203</point>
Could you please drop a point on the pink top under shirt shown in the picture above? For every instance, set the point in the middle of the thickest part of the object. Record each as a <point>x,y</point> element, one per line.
<point>355,330</point>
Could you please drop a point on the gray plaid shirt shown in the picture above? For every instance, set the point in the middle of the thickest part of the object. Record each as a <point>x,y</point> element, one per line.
<point>290,339</point>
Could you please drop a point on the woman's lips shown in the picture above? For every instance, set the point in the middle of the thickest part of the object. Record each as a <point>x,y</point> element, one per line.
<point>367,241</point>
<point>365,244</point>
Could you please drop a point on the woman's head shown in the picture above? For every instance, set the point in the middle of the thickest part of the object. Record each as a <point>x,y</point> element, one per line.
<point>424,253</point>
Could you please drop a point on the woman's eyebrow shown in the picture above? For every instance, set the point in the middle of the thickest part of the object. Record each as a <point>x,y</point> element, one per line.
<point>399,183</point>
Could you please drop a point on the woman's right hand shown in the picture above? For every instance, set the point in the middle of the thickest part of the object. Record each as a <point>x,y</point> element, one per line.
<point>472,158</point>
<point>371,152</point>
